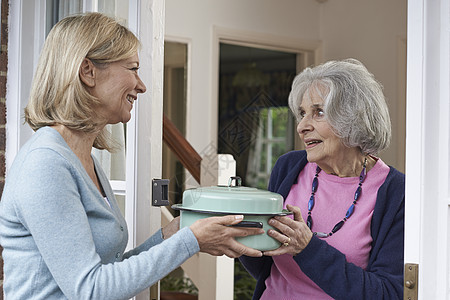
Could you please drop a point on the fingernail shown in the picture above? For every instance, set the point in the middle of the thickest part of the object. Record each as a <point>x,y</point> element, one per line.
<point>271,222</point>
<point>239,217</point>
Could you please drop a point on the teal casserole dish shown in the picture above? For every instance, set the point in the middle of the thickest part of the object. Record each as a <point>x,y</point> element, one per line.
<point>257,206</point>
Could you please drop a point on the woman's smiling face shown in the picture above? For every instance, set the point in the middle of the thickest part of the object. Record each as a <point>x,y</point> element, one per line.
<point>322,145</point>
<point>117,86</point>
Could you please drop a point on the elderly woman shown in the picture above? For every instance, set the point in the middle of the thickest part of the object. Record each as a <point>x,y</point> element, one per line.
<point>351,245</point>
<point>60,226</point>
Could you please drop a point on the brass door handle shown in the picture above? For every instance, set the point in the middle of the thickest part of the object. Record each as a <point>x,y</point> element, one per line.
<point>409,284</point>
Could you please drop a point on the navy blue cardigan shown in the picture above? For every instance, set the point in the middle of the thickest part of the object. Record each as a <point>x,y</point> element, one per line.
<point>325,265</point>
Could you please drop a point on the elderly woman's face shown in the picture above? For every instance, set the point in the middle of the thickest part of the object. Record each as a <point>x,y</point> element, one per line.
<point>117,87</point>
<point>322,145</point>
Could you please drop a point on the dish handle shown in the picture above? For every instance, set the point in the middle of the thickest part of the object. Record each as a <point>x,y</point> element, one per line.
<point>237,179</point>
<point>249,224</point>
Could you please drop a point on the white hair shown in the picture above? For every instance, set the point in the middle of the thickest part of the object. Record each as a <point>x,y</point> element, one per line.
<point>354,103</point>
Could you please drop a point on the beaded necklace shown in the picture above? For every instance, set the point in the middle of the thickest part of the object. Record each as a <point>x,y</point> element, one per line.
<point>315,185</point>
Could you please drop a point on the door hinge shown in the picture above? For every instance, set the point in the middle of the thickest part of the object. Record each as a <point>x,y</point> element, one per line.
<point>411,284</point>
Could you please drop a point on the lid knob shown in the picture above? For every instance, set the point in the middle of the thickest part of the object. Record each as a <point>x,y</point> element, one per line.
<point>237,181</point>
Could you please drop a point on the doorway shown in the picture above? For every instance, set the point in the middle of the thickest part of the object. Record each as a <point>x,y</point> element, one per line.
<point>255,124</point>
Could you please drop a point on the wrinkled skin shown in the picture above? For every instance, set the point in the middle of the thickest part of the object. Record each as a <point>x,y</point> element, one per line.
<point>295,232</point>
<point>216,237</point>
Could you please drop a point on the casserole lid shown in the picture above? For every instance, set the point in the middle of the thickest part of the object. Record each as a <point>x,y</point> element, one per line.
<point>233,200</point>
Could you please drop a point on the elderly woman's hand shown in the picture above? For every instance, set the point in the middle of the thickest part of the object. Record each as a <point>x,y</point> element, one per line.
<point>216,237</point>
<point>294,234</point>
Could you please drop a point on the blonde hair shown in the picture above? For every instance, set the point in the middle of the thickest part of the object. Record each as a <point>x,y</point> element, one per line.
<point>58,96</point>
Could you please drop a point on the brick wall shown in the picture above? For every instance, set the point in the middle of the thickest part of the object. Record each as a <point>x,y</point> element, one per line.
<point>3,69</point>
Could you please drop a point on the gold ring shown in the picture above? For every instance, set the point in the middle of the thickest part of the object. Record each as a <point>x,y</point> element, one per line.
<point>287,243</point>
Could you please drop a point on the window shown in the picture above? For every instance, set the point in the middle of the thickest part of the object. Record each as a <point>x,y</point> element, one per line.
<point>58,9</point>
<point>114,164</point>
<point>273,138</point>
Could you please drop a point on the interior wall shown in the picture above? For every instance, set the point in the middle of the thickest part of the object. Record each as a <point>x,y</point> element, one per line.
<point>366,30</point>
<point>195,20</point>
<point>373,32</point>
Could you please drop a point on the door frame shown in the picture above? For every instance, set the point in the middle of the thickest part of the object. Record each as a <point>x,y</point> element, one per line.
<point>427,146</point>
<point>312,50</point>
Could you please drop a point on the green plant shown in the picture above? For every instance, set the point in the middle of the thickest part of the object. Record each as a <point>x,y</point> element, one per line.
<point>178,284</point>
<point>244,283</point>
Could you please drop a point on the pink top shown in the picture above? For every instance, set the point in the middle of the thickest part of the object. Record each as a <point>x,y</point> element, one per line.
<point>333,198</point>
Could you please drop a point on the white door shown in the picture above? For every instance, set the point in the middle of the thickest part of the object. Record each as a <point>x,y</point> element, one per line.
<point>427,146</point>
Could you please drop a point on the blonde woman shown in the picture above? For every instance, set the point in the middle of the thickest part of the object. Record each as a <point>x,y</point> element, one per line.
<point>60,226</point>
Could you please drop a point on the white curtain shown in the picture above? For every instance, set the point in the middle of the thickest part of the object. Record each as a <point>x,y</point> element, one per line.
<point>68,7</point>
<point>58,9</point>
<point>114,163</point>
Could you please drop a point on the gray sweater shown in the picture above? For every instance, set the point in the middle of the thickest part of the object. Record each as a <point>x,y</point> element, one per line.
<point>62,240</point>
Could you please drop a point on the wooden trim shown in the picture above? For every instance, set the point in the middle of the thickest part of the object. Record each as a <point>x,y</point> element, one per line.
<point>190,159</point>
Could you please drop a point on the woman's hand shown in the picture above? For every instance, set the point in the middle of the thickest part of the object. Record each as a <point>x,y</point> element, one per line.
<point>216,237</point>
<point>294,234</point>
<point>171,228</point>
